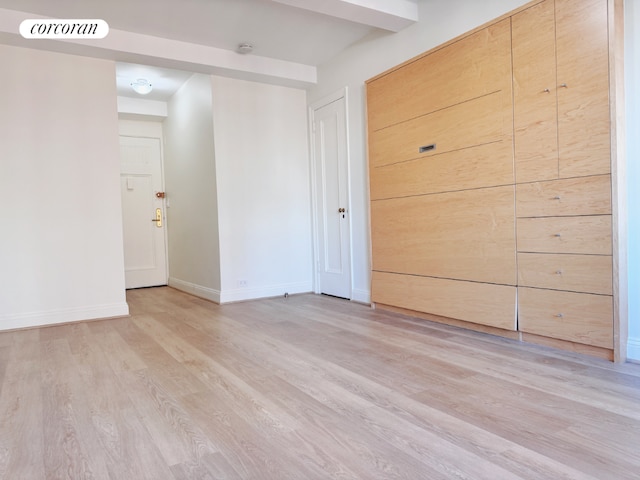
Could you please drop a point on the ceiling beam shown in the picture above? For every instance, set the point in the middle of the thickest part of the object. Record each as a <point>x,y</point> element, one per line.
<point>392,15</point>
<point>132,47</point>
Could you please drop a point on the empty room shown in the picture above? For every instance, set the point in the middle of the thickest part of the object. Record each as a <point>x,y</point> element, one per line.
<point>293,239</point>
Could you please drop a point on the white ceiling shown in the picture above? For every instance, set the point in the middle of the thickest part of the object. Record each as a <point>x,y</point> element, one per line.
<point>287,35</point>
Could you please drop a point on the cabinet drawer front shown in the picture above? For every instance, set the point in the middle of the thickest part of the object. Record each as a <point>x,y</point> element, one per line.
<point>476,122</point>
<point>576,317</point>
<point>465,235</point>
<point>577,273</point>
<point>482,303</point>
<point>588,235</point>
<point>575,196</point>
<point>468,68</point>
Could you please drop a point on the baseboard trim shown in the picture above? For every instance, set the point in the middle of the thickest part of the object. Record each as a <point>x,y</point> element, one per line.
<point>194,289</point>
<point>633,349</point>
<point>243,294</point>
<point>62,315</point>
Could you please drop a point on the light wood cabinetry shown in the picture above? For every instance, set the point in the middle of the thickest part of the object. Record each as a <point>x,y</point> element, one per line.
<point>562,157</point>
<point>490,174</point>
<point>561,90</point>
<point>472,66</point>
<point>582,50</point>
<point>570,272</point>
<point>574,317</point>
<point>441,176</point>
<point>485,303</point>
<point>534,91</point>
<point>574,196</point>
<point>589,235</point>
<point>440,235</point>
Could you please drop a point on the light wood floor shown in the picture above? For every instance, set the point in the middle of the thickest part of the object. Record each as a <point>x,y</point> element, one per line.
<point>308,387</point>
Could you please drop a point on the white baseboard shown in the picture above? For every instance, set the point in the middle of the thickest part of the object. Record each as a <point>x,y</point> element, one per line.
<point>633,349</point>
<point>361,296</point>
<point>194,289</point>
<point>241,294</point>
<point>62,315</point>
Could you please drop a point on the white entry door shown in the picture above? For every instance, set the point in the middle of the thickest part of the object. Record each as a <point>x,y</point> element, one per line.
<point>142,212</point>
<point>332,197</point>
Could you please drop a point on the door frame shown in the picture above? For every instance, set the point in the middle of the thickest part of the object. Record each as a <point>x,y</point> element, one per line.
<point>340,95</point>
<point>131,133</point>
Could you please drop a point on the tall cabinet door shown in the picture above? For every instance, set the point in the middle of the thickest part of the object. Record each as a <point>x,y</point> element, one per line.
<point>583,87</point>
<point>534,90</point>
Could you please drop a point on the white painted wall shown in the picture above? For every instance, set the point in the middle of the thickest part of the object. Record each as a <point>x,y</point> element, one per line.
<point>190,184</point>
<point>61,252</point>
<point>632,93</point>
<point>262,166</point>
<point>440,21</point>
<point>140,108</point>
<point>141,128</point>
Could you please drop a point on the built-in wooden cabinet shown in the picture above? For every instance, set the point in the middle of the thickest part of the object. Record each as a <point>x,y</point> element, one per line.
<point>441,177</point>
<point>561,90</point>
<point>491,179</point>
<point>562,144</point>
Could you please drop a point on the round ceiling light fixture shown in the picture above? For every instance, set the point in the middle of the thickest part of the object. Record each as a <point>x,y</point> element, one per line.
<point>141,86</point>
<point>245,48</point>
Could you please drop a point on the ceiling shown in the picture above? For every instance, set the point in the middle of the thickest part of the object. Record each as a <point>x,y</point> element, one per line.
<point>285,34</point>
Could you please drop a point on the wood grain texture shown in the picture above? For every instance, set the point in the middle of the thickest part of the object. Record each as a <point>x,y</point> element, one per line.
<point>583,235</point>
<point>488,165</point>
<point>535,93</point>
<point>479,121</point>
<point>471,67</point>
<point>574,196</point>
<point>468,235</point>
<point>577,317</point>
<point>584,123</point>
<point>350,393</point>
<point>576,273</point>
<point>483,303</point>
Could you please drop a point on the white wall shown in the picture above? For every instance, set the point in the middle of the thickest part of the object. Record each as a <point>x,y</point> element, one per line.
<point>262,164</point>
<point>440,20</point>
<point>61,252</point>
<point>632,93</point>
<point>190,185</point>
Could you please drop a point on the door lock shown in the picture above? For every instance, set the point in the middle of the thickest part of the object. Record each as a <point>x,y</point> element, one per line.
<point>158,218</point>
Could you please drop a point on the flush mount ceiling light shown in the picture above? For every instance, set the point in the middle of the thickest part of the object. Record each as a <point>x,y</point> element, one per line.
<point>141,86</point>
<point>245,48</point>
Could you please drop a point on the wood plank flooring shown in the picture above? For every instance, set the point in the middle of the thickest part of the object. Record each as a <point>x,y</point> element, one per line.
<point>308,387</point>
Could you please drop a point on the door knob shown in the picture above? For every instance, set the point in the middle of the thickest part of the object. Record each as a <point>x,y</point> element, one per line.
<point>341,210</point>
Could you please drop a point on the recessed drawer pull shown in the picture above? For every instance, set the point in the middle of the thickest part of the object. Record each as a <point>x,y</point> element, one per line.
<point>559,315</point>
<point>427,148</point>
<point>564,85</point>
<point>557,197</point>
<point>558,272</point>
<point>557,234</point>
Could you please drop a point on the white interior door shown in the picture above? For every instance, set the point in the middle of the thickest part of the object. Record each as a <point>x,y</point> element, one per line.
<point>332,198</point>
<point>144,236</point>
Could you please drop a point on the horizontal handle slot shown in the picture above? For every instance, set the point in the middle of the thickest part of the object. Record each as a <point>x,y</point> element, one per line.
<point>427,148</point>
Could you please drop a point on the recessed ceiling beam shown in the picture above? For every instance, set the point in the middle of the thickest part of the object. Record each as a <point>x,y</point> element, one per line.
<point>392,15</point>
